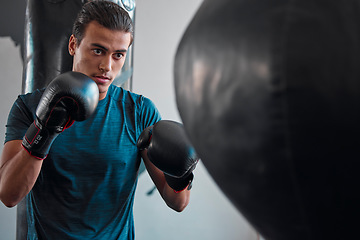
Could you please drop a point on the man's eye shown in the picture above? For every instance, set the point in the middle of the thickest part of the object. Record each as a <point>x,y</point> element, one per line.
<point>118,55</point>
<point>97,51</point>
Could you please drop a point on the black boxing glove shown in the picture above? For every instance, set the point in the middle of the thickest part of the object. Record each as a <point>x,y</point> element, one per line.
<point>169,149</point>
<point>70,97</point>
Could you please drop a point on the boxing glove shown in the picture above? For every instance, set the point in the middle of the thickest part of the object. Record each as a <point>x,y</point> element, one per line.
<point>169,149</point>
<point>70,97</point>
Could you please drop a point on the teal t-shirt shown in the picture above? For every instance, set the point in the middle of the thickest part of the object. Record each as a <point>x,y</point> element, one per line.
<point>87,183</point>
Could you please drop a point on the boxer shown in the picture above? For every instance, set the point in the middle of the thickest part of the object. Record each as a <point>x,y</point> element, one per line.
<point>79,177</point>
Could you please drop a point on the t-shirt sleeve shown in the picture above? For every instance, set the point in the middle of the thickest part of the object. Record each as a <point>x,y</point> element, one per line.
<point>20,118</point>
<point>149,114</point>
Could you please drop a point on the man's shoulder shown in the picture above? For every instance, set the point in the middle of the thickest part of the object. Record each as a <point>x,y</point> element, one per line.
<point>120,94</point>
<point>32,95</point>
<point>30,99</point>
<point>132,100</point>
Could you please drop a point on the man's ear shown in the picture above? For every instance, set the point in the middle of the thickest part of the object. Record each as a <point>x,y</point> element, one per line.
<point>72,45</point>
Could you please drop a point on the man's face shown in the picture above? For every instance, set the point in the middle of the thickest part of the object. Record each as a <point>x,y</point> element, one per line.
<point>100,55</point>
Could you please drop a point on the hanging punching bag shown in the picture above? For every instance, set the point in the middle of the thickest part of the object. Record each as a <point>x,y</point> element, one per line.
<point>269,94</point>
<point>48,26</point>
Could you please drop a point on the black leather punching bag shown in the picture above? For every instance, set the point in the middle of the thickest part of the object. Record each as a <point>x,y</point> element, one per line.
<point>269,94</point>
<point>48,26</point>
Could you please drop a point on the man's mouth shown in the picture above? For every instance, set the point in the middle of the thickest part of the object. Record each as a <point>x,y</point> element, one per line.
<point>101,79</point>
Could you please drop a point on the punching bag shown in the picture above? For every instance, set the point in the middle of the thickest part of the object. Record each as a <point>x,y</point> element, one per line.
<point>48,26</point>
<point>269,94</point>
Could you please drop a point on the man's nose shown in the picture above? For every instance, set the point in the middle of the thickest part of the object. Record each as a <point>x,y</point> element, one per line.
<point>105,64</point>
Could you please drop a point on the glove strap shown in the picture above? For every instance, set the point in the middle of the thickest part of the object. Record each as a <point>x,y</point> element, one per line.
<point>180,184</point>
<point>37,140</point>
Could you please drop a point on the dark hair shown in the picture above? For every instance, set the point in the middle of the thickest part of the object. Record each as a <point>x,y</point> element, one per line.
<point>107,14</point>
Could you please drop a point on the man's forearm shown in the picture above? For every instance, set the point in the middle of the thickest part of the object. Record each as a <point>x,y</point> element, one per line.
<point>18,173</point>
<point>176,201</point>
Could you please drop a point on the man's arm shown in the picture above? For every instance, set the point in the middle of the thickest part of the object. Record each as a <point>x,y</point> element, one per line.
<point>170,160</point>
<point>176,201</point>
<point>18,173</point>
<point>69,97</point>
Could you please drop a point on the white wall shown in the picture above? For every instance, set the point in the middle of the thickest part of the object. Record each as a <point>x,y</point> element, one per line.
<point>159,27</point>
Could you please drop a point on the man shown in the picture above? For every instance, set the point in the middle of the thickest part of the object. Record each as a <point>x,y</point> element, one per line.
<point>82,185</point>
